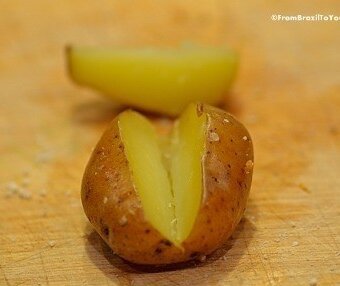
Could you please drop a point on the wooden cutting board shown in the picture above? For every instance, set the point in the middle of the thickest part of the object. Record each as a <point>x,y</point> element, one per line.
<point>287,93</point>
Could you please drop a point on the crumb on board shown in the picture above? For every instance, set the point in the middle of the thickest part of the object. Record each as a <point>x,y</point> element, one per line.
<point>265,257</point>
<point>14,189</point>
<point>313,282</point>
<point>44,157</point>
<point>295,243</point>
<point>51,243</point>
<point>283,235</point>
<point>25,194</point>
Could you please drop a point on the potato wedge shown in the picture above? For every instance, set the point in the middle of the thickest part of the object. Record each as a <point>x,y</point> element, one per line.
<point>152,212</point>
<point>161,81</point>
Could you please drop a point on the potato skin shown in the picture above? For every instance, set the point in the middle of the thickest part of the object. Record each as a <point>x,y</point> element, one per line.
<point>113,207</point>
<point>227,174</point>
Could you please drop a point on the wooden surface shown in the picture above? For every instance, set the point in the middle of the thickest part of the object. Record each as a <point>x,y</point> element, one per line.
<point>287,93</point>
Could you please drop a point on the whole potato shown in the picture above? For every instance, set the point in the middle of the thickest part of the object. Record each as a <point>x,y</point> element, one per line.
<point>134,220</point>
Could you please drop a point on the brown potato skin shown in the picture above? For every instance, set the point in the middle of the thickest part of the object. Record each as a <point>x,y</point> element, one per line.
<point>107,175</point>
<point>226,182</point>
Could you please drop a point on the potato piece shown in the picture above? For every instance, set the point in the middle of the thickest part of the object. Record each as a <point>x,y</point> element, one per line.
<point>162,81</point>
<point>152,183</point>
<point>186,169</point>
<point>152,213</point>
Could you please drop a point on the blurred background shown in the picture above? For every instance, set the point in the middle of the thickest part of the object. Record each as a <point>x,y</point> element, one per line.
<point>286,92</point>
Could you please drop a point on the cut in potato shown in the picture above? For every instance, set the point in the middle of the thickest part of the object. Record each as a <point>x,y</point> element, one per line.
<point>170,198</point>
<point>162,81</point>
<point>155,211</point>
<point>152,182</point>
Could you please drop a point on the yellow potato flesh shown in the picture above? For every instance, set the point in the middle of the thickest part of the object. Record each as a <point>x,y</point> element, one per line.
<point>170,196</point>
<point>149,175</point>
<point>163,81</point>
<point>186,169</point>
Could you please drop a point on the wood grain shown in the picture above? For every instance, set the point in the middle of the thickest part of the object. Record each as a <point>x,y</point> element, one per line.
<point>287,94</point>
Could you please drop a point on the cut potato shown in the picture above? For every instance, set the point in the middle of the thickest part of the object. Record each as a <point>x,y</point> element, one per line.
<point>152,212</point>
<point>162,81</point>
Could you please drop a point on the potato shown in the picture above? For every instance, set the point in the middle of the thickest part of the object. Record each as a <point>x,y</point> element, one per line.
<point>161,81</point>
<point>156,205</point>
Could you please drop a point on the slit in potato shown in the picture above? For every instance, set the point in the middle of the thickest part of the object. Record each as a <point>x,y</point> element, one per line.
<point>170,196</point>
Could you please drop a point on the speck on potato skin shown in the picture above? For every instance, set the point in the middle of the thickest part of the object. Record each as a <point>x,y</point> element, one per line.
<point>249,166</point>
<point>214,137</point>
<point>123,221</point>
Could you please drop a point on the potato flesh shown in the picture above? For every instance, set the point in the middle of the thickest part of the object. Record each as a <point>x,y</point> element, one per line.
<point>149,175</point>
<point>170,195</point>
<point>186,169</point>
<point>163,81</point>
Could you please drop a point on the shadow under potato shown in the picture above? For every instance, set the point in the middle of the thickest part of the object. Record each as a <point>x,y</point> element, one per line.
<point>104,110</point>
<point>118,268</point>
